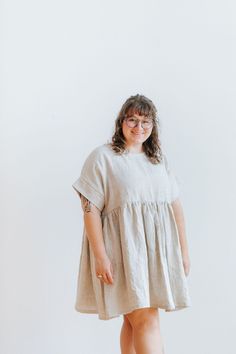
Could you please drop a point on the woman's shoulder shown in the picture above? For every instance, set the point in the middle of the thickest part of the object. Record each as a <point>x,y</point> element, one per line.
<point>100,153</point>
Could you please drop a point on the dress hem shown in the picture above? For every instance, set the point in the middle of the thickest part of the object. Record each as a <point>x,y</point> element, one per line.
<point>103,316</point>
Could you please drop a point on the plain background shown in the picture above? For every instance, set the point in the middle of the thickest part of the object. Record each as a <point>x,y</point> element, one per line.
<point>66,69</point>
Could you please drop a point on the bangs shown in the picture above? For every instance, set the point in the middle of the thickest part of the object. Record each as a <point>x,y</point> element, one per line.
<point>139,108</point>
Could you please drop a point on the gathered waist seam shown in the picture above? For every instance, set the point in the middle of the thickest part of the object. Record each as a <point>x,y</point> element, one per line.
<point>106,213</point>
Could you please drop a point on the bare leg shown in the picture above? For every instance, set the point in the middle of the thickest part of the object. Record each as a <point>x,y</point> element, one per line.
<point>146,331</point>
<point>126,338</point>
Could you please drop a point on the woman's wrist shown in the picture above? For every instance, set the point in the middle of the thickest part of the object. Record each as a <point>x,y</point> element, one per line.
<point>100,255</point>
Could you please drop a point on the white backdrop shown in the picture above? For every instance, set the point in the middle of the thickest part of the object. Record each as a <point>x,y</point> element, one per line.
<point>66,69</point>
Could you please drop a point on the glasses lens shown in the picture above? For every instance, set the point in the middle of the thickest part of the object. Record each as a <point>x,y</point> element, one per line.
<point>132,122</point>
<point>147,124</point>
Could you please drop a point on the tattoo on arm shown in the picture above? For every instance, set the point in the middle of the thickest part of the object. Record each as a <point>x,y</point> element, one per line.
<point>86,204</point>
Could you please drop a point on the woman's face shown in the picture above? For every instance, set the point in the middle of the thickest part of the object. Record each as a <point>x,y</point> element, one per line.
<point>137,135</point>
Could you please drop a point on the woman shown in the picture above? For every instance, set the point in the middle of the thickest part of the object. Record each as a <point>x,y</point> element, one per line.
<point>134,257</point>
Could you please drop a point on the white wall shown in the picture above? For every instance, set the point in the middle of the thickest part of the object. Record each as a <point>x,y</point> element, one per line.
<point>67,67</point>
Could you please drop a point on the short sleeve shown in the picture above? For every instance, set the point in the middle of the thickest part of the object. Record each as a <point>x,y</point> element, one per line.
<point>174,185</point>
<point>90,182</point>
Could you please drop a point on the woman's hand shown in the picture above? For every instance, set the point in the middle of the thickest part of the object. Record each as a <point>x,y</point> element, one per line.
<point>186,264</point>
<point>103,266</point>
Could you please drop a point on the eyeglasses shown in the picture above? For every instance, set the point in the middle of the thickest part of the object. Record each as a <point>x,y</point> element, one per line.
<point>133,122</point>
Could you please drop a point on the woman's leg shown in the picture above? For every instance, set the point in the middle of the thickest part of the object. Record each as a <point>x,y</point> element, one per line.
<point>146,331</point>
<point>126,338</point>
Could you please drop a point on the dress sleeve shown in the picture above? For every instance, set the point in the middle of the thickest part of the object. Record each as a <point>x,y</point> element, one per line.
<point>173,182</point>
<point>90,182</point>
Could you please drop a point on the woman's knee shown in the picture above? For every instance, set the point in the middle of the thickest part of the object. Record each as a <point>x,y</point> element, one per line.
<point>144,318</point>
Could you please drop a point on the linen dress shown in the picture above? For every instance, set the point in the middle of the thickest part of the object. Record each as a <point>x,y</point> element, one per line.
<point>140,235</point>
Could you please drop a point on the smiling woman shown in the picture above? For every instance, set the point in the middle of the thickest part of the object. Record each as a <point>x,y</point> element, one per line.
<point>132,261</point>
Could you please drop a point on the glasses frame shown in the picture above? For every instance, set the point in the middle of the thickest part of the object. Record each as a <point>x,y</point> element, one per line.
<point>137,121</point>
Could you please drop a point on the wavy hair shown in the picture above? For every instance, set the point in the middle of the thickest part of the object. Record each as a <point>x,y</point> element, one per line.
<point>141,105</point>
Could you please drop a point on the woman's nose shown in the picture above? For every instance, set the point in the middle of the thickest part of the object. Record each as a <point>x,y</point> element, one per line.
<point>139,125</point>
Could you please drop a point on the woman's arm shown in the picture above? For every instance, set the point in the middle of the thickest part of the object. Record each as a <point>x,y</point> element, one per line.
<point>93,226</point>
<point>179,217</point>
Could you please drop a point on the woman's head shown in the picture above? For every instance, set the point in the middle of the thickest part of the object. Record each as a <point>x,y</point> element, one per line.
<point>135,125</point>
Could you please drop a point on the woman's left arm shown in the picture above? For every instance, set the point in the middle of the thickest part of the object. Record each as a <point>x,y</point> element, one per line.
<point>179,217</point>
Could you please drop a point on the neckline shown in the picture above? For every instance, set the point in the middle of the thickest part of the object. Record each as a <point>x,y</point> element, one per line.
<point>135,153</point>
<point>129,153</point>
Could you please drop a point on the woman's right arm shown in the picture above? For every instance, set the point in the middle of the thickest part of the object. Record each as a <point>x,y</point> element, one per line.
<point>93,226</point>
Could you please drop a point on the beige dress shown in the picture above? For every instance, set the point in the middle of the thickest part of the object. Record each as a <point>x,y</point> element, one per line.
<point>140,235</point>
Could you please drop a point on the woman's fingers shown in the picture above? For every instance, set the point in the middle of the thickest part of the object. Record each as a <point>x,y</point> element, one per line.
<point>107,278</point>
<point>104,267</point>
<point>110,277</point>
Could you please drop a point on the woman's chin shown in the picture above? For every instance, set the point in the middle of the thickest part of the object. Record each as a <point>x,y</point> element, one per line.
<point>138,139</point>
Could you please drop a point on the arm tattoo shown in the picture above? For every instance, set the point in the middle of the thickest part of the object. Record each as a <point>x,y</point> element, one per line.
<point>86,204</point>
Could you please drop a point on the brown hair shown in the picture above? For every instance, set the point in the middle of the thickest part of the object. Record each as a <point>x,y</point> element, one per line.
<point>143,106</point>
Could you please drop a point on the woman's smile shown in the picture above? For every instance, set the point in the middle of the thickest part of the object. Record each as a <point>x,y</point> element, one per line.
<point>137,133</point>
